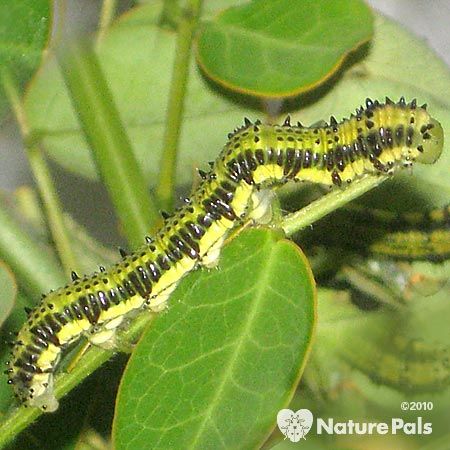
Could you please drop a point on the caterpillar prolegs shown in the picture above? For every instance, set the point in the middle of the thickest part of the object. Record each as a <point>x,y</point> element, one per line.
<point>257,157</point>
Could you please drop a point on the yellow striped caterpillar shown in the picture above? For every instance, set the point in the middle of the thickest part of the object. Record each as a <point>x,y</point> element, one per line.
<point>420,237</point>
<point>379,138</point>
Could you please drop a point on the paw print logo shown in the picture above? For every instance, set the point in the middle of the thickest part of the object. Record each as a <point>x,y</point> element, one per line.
<point>294,425</point>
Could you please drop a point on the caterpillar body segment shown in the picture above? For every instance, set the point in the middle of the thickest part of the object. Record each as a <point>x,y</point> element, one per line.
<point>256,158</point>
<point>433,246</point>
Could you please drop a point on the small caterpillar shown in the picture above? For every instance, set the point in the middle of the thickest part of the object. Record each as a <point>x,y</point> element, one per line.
<point>409,365</point>
<point>409,236</point>
<point>257,157</point>
<point>419,237</point>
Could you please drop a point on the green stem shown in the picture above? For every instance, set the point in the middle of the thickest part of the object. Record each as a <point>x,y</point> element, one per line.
<point>34,265</point>
<point>21,417</point>
<point>43,178</point>
<point>328,203</point>
<point>186,29</point>
<point>106,17</point>
<point>111,148</point>
<point>171,13</point>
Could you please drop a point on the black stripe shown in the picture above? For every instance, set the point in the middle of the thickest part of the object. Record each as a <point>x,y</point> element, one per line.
<point>173,253</point>
<point>330,160</point>
<point>259,154</point>
<point>163,262</point>
<point>211,208</point>
<point>113,296</point>
<point>298,159</point>
<point>251,163</point>
<point>129,289</point>
<point>85,307</point>
<point>195,230</point>
<point>95,307</point>
<point>190,242</point>
<point>290,155</point>
<point>205,220</point>
<point>226,196</point>
<point>69,313</point>
<point>134,280</point>
<point>54,326</point>
<point>307,159</point>
<point>144,277</point>
<point>27,367</point>
<point>122,292</point>
<point>153,270</point>
<point>61,318</point>
<point>399,135</point>
<point>45,335</point>
<point>103,300</point>
<point>409,136</point>
<point>76,311</point>
<point>280,157</point>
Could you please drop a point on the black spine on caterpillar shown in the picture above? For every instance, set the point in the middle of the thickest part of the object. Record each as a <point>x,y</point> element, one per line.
<point>379,138</point>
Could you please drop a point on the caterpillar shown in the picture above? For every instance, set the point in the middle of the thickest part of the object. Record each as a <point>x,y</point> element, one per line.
<point>409,365</point>
<point>378,138</point>
<point>420,237</point>
<point>412,236</point>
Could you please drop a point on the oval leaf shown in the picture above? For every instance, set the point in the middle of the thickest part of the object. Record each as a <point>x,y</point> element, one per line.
<point>209,115</point>
<point>136,57</point>
<point>24,30</point>
<point>282,48</point>
<point>226,356</point>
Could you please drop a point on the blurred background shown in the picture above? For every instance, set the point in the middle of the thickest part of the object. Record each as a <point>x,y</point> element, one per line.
<point>427,19</point>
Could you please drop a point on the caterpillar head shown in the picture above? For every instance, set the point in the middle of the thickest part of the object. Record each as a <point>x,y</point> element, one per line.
<point>429,141</point>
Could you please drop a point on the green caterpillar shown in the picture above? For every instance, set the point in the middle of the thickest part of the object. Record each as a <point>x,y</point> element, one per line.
<point>257,157</point>
<point>409,365</point>
<point>419,237</point>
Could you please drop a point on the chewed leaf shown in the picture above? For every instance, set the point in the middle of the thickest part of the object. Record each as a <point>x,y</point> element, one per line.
<point>277,49</point>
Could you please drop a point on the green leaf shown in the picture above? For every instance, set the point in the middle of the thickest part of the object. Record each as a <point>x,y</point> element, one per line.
<point>230,350</point>
<point>8,291</point>
<point>111,148</point>
<point>136,57</point>
<point>89,252</point>
<point>33,264</point>
<point>282,48</point>
<point>24,31</point>
<point>138,78</point>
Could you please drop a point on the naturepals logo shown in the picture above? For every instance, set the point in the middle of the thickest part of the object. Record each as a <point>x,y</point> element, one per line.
<point>296,425</point>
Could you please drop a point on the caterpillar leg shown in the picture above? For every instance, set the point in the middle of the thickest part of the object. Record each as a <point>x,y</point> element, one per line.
<point>211,259</point>
<point>42,395</point>
<point>105,337</point>
<point>261,212</point>
<point>159,302</point>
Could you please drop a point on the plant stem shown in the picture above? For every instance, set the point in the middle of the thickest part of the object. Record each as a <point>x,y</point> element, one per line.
<point>43,178</point>
<point>170,14</point>
<point>95,357</point>
<point>34,266</point>
<point>106,17</point>
<point>186,29</point>
<point>328,203</point>
<point>111,148</point>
